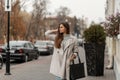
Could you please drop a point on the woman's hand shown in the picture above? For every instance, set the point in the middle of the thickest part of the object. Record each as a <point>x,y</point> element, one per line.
<point>73,56</point>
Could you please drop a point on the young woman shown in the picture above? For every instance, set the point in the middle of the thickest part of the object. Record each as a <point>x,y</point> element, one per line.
<point>65,50</point>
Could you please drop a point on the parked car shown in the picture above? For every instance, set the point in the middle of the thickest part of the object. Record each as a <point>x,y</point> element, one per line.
<point>80,41</point>
<point>44,47</point>
<point>1,62</point>
<point>21,50</point>
<point>1,58</point>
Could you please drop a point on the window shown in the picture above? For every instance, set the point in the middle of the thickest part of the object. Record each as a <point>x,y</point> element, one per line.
<point>30,45</point>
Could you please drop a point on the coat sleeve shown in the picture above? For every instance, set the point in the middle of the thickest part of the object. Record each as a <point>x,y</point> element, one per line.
<point>50,35</point>
<point>75,47</point>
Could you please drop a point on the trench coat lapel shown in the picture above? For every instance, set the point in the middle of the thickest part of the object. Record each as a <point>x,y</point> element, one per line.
<point>68,43</point>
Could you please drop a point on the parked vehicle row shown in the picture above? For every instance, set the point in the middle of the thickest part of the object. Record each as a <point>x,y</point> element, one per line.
<point>20,50</point>
<point>25,50</point>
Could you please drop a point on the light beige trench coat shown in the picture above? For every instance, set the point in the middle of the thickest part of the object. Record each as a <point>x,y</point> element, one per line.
<point>61,58</point>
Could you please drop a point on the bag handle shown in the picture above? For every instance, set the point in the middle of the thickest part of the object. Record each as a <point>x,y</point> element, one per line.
<point>78,58</point>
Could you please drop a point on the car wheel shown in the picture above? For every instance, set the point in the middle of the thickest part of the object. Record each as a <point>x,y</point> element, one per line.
<point>37,56</point>
<point>25,58</point>
<point>51,52</point>
<point>1,63</point>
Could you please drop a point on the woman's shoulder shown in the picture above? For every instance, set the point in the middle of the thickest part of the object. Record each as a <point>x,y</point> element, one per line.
<point>73,37</point>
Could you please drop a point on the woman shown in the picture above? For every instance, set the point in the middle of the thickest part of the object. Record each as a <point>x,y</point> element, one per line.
<point>65,50</point>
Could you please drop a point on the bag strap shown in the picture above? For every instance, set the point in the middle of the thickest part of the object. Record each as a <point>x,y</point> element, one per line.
<point>78,59</point>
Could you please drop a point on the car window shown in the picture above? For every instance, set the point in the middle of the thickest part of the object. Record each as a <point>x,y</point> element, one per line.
<point>30,45</point>
<point>14,44</point>
<point>49,44</point>
<point>26,45</point>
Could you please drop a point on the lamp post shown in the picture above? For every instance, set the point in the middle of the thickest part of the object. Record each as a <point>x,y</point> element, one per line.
<point>8,9</point>
<point>8,48</point>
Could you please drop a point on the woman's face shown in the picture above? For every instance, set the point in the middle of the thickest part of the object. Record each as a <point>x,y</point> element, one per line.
<point>62,28</point>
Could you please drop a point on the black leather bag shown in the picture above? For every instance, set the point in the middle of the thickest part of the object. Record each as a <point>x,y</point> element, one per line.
<point>77,70</point>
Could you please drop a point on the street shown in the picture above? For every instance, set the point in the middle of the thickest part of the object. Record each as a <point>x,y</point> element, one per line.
<point>39,70</point>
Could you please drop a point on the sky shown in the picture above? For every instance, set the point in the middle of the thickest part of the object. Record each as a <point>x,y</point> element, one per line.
<point>94,10</point>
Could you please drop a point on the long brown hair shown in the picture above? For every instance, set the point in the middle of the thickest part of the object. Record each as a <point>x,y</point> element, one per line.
<point>59,36</point>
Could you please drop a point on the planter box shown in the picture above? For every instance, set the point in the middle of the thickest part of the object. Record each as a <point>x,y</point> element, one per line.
<point>95,58</point>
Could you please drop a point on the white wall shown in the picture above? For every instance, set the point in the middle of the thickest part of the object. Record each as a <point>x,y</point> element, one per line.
<point>113,6</point>
<point>117,60</point>
<point>109,7</point>
<point>117,55</point>
<point>117,6</point>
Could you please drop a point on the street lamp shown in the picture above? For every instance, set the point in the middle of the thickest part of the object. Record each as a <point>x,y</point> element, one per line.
<point>8,48</point>
<point>8,9</point>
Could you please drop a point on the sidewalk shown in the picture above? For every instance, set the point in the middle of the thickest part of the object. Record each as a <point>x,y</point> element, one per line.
<point>39,70</point>
<point>33,70</point>
<point>108,74</point>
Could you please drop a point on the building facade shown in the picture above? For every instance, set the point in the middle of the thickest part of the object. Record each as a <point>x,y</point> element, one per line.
<point>117,6</point>
<point>109,10</point>
<point>117,55</point>
<point>112,8</point>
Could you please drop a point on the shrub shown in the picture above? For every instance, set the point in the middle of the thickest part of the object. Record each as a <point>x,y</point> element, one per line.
<point>94,34</point>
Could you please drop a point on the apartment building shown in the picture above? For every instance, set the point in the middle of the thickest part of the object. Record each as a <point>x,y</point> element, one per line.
<point>112,8</point>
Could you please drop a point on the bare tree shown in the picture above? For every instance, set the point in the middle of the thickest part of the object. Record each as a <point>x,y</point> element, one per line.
<point>17,21</point>
<point>3,21</point>
<point>62,13</point>
<point>28,30</point>
<point>39,12</point>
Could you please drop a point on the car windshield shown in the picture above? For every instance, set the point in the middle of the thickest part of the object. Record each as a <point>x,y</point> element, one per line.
<point>14,44</point>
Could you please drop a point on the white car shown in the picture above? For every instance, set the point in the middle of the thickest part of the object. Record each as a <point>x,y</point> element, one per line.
<point>44,47</point>
<point>80,41</point>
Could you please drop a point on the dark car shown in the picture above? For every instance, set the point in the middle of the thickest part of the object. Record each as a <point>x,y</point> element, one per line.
<point>1,62</point>
<point>21,50</point>
<point>1,58</point>
<point>44,47</point>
